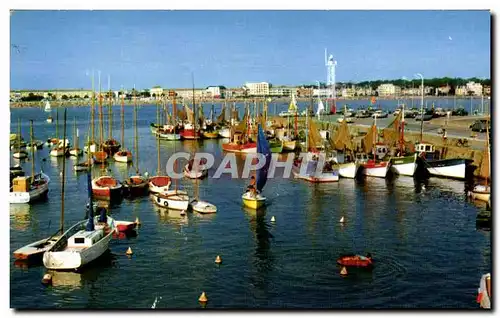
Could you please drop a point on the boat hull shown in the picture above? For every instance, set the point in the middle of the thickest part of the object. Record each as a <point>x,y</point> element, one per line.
<point>481,193</point>
<point>135,186</point>
<point>172,199</point>
<point>253,202</point>
<point>169,136</point>
<point>289,145</point>
<point>323,177</point>
<point>36,194</point>
<point>200,173</point>
<point>355,261</point>
<point>111,147</point>
<point>378,170</point>
<point>203,207</point>
<point>123,156</point>
<point>76,152</point>
<point>211,135</point>
<point>190,134</point>
<point>100,157</point>
<point>73,260</point>
<point>348,170</point>
<point>447,168</point>
<point>245,148</point>
<point>106,188</point>
<point>225,133</point>
<point>34,251</point>
<point>404,166</point>
<point>20,155</point>
<point>125,226</point>
<point>159,184</point>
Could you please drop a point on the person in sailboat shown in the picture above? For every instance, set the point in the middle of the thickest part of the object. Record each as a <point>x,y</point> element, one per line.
<point>251,187</point>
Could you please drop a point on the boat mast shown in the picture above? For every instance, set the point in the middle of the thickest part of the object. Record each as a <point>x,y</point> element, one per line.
<point>488,151</point>
<point>32,153</point>
<point>402,141</point>
<point>101,123</point>
<point>136,146</point>
<point>110,116</point>
<point>123,120</point>
<point>307,131</point>
<point>63,174</point>
<point>92,110</point>
<point>19,134</point>
<point>158,138</point>
<point>57,125</point>
<point>196,190</point>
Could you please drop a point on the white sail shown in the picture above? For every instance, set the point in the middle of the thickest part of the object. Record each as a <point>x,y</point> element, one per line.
<point>47,106</point>
<point>321,108</point>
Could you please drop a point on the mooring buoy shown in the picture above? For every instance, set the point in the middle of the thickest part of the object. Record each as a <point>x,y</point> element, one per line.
<point>129,251</point>
<point>218,260</point>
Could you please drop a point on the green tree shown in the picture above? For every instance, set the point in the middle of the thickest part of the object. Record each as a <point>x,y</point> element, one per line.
<point>64,97</point>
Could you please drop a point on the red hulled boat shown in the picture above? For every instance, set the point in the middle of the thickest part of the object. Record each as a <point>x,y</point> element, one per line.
<point>355,260</point>
<point>159,184</point>
<point>125,226</point>
<point>107,188</point>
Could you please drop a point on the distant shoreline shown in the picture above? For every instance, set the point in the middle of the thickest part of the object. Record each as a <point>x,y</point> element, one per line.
<point>84,103</point>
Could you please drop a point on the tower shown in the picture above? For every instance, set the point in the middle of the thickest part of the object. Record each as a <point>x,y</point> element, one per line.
<point>330,64</point>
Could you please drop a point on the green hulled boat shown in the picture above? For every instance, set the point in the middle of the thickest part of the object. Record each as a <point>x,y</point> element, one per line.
<point>276,146</point>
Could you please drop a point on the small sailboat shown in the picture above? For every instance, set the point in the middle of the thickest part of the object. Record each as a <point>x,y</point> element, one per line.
<point>111,145</point>
<point>482,192</point>
<point>18,151</point>
<point>91,146</point>
<point>292,108</point>
<point>169,131</point>
<point>136,185</point>
<point>83,243</point>
<point>75,151</point>
<point>240,140</point>
<point>123,155</point>
<point>47,109</point>
<point>26,189</point>
<point>172,199</point>
<point>159,183</point>
<point>253,198</point>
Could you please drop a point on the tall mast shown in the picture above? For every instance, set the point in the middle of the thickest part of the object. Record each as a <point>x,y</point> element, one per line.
<point>402,141</point>
<point>488,151</point>
<point>110,118</point>
<point>92,110</point>
<point>196,191</point>
<point>63,174</point>
<point>158,140</point>
<point>32,153</point>
<point>135,142</point>
<point>123,121</point>
<point>101,123</point>
<point>57,124</point>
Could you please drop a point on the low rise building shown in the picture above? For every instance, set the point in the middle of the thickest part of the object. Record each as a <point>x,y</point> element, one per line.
<point>257,89</point>
<point>216,91</point>
<point>389,90</point>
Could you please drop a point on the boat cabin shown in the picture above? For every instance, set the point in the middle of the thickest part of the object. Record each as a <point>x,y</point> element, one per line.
<point>84,239</point>
<point>361,157</point>
<point>424,147</point>
<point>381,151</point>
<point>21,184</point>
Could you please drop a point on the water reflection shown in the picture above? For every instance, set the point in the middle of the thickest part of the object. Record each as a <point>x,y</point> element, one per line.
<point>20,216</point>
<point>173,217</point>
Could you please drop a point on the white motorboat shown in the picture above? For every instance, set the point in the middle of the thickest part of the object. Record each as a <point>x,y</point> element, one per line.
<point>203,207</point>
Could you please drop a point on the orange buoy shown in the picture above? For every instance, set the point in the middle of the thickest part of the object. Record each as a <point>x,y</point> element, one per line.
<point>129,251</point>
<point>203,298</point>
<point>47,279</point>
<point>343,272</point>
<point>218,260</point>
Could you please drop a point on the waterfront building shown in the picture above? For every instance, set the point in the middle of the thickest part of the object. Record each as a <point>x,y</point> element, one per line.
<point>257,89</point>
<point>156,92</point>
<point>216,91</point>
<point>54,94</point>
<point>388,90</point>
<point>475,88</point>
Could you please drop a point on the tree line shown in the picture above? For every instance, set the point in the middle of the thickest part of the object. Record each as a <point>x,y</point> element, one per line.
<point>408,83</point>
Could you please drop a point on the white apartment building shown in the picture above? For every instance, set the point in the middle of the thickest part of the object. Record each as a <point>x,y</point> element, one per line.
<point>258,89</point>
<point>156,91</point>
<point>215,91</point>
<point>388,90</point>
<point>475,88</point>
<point>280,91</point>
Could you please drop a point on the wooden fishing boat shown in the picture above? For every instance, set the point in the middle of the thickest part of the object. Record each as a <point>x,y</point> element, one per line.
<point>111,146</point>
<point>84,165</point>
<point>172,199</point>
<point>124,156</point>
<point>75,151</point>
<point>355,261</point>
<point>100,157</point>
<point>35,145</point>
<point>404,165</point>
<point>225,132</point>
<point>107,188</point>
<point>189,133</point>
<point>125,226</point>
<point>454,168</point>
<point>480,192</point>
<point>26,189</point>
<point>211,134</point>
<point>348,170</point>
<point>373,168</point>
<point>276,146</point>
<point>248,147</point>
<point>253,198</point>
<point>312,176</point>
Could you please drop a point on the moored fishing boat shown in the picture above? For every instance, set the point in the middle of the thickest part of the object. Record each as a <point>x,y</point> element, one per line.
<point>124,156</point>
<point>111,146</point>
<point>404,166</point>
<point>76,151</point>
<point>26,189</point>
<point>107,188</point>
<point>159,184</point>
<point>100,157</point>
<point>454,168</point>
<point>372,168</point>
<point>276,146</point>
<point>154,127</point>
<point>211,134</point>
<point>84,165</point>
<point>355,260</point>
<point>225,132</point>
<point>348,170</point>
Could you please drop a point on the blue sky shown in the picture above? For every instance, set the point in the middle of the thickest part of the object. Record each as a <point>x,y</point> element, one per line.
<point>57,49</point>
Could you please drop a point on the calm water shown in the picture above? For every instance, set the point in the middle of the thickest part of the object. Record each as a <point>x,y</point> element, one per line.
<point>427,250</point>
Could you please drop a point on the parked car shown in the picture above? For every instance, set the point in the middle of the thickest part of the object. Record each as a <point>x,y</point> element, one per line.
<point>439,112</point>
<point>411,113</point>
<point>380,114</point>
<point>348,120</point>
<point>479,125</point>
<point>428,115</point>
<point>459,112</point>
<point>362,114</point>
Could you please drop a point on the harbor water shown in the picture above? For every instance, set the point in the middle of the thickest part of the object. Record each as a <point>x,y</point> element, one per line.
<point>421,233</point>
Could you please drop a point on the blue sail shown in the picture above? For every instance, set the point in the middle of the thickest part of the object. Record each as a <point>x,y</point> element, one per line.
<point>90,223</point>
<point>263,148</point>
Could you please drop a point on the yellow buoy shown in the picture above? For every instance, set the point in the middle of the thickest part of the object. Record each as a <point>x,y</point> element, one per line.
<point>203,298</point>
<point>343,271</point>
<point>273,219</point>
<point>137,221</point>
<point>218,260</point>
<point>129,251</point>
<point>47,279</point>
<point>341,220</point>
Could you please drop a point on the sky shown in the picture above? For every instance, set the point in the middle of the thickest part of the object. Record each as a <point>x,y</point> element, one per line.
<point>59,49</point>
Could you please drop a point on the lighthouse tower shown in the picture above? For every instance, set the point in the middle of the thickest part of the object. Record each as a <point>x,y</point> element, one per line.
<point>330,64</point>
